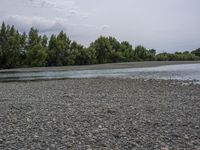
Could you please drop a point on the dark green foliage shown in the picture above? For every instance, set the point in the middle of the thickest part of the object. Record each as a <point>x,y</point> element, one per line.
<point>141,53</point>
<point>36,49</point>
<point>22,50</point>
<point>103,49</point>
<point>127,52</point>
<point>36,56</point>
<point>59,52</point>
<point>81,55</point>
<point>196,52</point>
<point>115,45</point>
<point>178,56</point>
<point>10,47</point>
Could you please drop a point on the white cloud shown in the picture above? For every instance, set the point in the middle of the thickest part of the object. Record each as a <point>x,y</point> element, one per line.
<point>73,11</point>
<point>145,22</point>
<point>59,4</point>
<point>24,23</point>
<point>83,33</point>
<point>41,3</point>
<point>105,27</point>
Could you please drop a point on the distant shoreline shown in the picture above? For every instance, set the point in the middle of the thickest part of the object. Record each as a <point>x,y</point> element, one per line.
<point>100,66</point>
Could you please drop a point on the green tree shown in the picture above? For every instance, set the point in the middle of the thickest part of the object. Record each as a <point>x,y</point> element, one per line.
<point>36,52</point>
<point>18,50</point>
<point>102,49</point>
<point>34,38</point>
<point>153,52</point>
<point>140,53</point>
<point>23,49</point>
<point>114,43</point>
<point>13,53</point>
<point>85,56</point>
<point>1,57</point>
<point>2,44</point>
<point>52,52</point>
<point>10,47</point>
<point>196,52</point>
<point>127,51</point>
<point>36,56</point>
<point>59,50</point>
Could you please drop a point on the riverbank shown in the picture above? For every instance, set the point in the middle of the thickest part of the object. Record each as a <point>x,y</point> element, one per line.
<point>102,66</point>
<point>99,113</point>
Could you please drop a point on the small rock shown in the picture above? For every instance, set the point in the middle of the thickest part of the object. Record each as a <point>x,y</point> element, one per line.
<point>88,147</point>
<point>28,120</point>
<point>186,137</point>
<point>36,136</point>
<point>1,141</point>
<point>53,145</point>
<point>90,135</point>
<point>69,129</point>
<point>164,148</point>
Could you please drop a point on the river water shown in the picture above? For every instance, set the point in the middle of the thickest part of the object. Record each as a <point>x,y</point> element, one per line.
<point>176,72</point>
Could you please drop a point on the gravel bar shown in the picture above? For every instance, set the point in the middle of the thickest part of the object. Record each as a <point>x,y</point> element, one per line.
<point>100,113</point>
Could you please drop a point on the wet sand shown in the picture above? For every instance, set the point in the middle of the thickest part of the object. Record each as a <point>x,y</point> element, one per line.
<point>100,113</point>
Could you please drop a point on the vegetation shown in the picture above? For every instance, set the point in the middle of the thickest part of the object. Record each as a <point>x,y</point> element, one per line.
<point>178,56</point>
<point>196,52</point>
<point>32,49</point>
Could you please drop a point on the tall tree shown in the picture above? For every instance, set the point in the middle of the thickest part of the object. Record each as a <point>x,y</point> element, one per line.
<point>140,53</point>
<point>10,47</point>
<point>196,52</point>
<point>115,44</point>
<point>36,52</point>
<point>37,56</point>
<point>23,49</point>
<point>127,51</point>
<point>18,50</point>
<point>59,50</point>
<point>2,44</point>
<point>103,49</point>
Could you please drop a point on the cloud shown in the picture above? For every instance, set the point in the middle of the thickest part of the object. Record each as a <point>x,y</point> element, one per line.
<point>83,33</point>
<point>131,20</point>
<point>85,16</point>
<point>66,8</point>
<point>59,4</point>
<point>41,3</point>
<point>24,23</point>
<point>73,11</point>
<point>104,27</point>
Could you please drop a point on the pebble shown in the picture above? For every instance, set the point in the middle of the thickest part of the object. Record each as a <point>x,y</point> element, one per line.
<point>130,122</point>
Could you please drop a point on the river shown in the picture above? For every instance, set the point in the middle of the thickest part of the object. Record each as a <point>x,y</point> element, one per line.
<point>177,72</point>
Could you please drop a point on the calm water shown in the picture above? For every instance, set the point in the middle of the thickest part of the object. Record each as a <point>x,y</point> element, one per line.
<point>178,72</point>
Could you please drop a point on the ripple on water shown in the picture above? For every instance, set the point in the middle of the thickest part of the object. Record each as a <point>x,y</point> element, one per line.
<point>184,72</point>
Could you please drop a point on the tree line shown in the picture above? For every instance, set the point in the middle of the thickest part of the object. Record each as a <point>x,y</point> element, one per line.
<point>35,50</point>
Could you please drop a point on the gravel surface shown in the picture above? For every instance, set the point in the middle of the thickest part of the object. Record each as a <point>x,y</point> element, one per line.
<point>100,113</point>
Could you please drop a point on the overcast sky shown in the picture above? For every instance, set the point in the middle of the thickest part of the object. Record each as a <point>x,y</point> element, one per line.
<point>166,25</point>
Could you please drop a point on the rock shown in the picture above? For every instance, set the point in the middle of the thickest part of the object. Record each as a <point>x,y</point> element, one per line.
<point>152,118</point>
<point>1,141</point>
<point>164,148</point>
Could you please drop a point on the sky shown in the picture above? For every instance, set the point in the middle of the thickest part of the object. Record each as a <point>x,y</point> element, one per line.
<point>165,25</point>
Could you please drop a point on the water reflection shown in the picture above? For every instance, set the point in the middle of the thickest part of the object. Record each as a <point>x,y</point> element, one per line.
<point>178,72</point>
